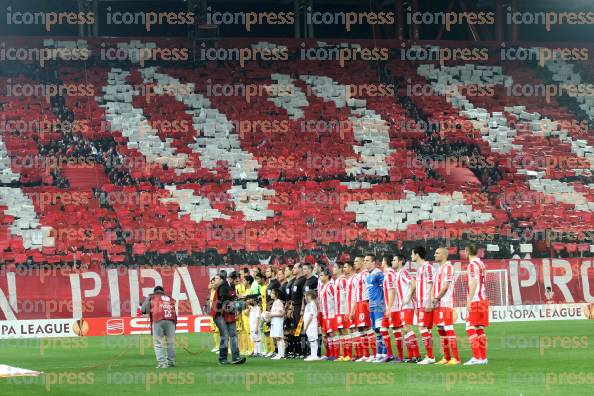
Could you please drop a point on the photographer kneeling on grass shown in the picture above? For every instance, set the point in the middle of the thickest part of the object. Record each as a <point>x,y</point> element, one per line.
<point>224,312</point>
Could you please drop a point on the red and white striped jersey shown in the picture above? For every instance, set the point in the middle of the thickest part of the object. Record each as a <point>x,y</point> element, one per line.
<point>404,281</point>
<point>359,287</point>
<point>328,300</point>
<point>390,284</point>
<point>425,278</point>
<point>476,270</point>
<point>350,291</point>
<point>445,274</point>
<point>342,295</point>
<point>319,291</point>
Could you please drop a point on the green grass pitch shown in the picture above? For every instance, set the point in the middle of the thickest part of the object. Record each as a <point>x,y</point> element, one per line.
<point>527,358</point>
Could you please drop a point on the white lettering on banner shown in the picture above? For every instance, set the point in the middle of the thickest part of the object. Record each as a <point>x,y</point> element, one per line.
<point>514,276</point>
<point>182,274</point>
<point>520,313</point>
<point>114,291</point>
<point>202,322</point>
<point>76,291</point>
<point>9,305</point>
<point>561,281</point>
<point>182,325</point>
<point>143,326</point>
<point>140,326</point>
<point>516,284</point>
<point>45,328</point>
<point>586,265</point>
<point>153,274</point>
<point>76,296</point>
<point>134,294</point>
<point>546,272</point>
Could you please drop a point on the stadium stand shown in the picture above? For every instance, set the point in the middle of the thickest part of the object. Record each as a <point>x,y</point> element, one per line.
<point>194,177</point>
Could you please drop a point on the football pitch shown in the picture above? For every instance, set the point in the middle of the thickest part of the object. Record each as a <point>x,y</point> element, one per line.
<point>525,358</point>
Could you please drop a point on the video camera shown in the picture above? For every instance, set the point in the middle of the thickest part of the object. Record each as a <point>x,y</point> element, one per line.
<point>241,303</point>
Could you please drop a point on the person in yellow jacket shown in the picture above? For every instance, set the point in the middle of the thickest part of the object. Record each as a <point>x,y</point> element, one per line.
<point>243,324</point>
<point>269,344</point>
<point>215,330</point>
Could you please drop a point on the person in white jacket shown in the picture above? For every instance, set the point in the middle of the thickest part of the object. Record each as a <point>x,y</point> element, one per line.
<point>310,324</point>
<point>254,315</point>
<point>277,319</point>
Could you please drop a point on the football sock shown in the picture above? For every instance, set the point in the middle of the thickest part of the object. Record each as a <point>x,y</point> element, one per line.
<point>381,347</point>
<point>281,347</point>
<point>453,343</point>
<point>365,345</point>
<point>398,338</point>
<point>387,342</point>
<point>372,342</point>
<point>427,342</point>
<point>444,342</point>
<point>357,344</point>
<point>313,346</point>
<point>474,342</point>
<point>412,345</point>
<point>341,345</point>
<point>482,340</point>
<point>348,343</point>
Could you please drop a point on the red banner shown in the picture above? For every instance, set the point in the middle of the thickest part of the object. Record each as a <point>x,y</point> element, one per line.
<point>116,292</point>
<point>62,293</point>
<point>140,325</point>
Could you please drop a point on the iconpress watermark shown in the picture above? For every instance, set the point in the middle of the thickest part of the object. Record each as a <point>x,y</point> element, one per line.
<point>48,19</point>
<point>51,378</point>
<point>450,380</point>
<point>449,18</point>
<point>149,378</point>
<point>144,200</point>
<point>42,55</point>
<point>249,91</point>
<point>149,19</point>
<point>443,54</point>
<point>343,55</point>
<point>249,379</point>
<point>348,378</point>
<point>541,54</point>
<point>349,19</point>
<point>549,91</point>
<point>243,55</point>
<point>550,379</point>
<point>19,89</point>
<point>469,90</point>
<point>250,19</point>
<point>144,54</point>
<point>549,18</point>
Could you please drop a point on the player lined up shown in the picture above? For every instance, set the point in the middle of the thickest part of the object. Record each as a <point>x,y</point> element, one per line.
<point>360,307</point>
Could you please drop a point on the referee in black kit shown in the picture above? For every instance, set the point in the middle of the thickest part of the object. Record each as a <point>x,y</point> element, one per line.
<point>297,301</point>
<point>310,284</point>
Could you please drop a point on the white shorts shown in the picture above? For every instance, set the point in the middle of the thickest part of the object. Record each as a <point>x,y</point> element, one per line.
<point>312,332</point>
<point>255,337</point>
<point>276,328</point>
